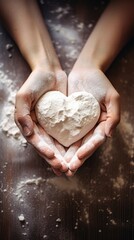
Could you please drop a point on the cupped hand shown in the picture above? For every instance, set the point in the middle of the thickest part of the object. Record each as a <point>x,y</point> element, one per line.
<point>37,84</point>
<point>95,82</point>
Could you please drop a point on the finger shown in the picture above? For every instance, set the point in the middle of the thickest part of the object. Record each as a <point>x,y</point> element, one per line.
<point>70,173</point>
<point>113,115</point>
<point>59,156</point>
<point>41,146</point>
<point>71,151</point>
<point>74,165</point>
<point>54,162</point>
<point>25,124</point>
<point>91,143</point>
<point>22,114</point>
<point>60,148</point>
<point>42,142</point>
<point>57,161</point>
<point>33,116</point>
<point>57,172</point>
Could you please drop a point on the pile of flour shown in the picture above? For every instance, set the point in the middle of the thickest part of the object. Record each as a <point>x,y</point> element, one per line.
<point>7,123</point>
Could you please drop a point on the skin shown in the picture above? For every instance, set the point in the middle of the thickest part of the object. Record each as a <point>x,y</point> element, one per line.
<point>31,36</point>
<point>88,75</point>
<point>110,34</point>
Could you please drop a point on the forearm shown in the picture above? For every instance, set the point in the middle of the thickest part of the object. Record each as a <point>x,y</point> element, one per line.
<point>110,34</point>
<point>26,25</point>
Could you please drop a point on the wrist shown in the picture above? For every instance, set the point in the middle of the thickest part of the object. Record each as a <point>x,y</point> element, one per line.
<point>38,57</point>
<point>86,64</point>
<point>92,58</point>
<point>45,63</point>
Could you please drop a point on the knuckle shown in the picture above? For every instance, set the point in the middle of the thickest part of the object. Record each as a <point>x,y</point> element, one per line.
<point>22,97</point>
<point>61,79</point>
<point>19,119</point>
<point>20,94</point>
<point>61,76</point>
<point>49,78</point>
<point>56,165</point>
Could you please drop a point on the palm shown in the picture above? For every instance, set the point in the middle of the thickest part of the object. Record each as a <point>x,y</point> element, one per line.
<point>98,85</point>
<point>37,84</point>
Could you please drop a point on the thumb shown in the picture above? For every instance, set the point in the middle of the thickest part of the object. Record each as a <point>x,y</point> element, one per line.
<point>113,115</point>
<point>25,124</point>
<point>22,116</point>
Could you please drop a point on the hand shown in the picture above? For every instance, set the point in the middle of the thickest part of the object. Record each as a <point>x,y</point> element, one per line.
<point>37,84</point>
<point>95,82</point>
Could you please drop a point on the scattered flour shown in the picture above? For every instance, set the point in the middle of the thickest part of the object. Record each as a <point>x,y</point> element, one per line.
<point>70,186</point>
<point>60,11</point>
<point>132,163</point>
<point>36,181</point>
<point>127,131</point>
<point>109,211</point>
<point>86,215</point>
<point>21,218</point>
<point>7,83</point>
<point>65,184</point>
<point>70,37</point>
<point>90,25</point>
<point>42,2</point>
<point>7,124</point>
<point>60,183</point>
<point>45,236</point>
<point>113,222</point>
<point>80,26</point>
<point>119,182</point>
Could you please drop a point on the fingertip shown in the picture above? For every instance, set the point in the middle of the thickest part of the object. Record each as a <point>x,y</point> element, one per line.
<point>55,164</point>
<point>57,172</point>
<point>70,173</point>
<point>82,152</point>
<point>109,128</point>
<point>64,168</point>
<point>74,164</point>
<point>109,134</point>
<point>113,116</point>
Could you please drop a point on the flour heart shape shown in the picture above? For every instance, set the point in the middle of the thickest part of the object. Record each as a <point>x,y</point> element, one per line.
<point>67,119</point>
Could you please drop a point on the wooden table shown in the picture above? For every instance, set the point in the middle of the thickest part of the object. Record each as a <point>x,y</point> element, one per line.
<point>97,203</point>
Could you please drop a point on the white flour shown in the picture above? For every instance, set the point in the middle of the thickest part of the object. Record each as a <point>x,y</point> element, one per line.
<point>67,119</point>
<point>127,131</point>
<point>7,123</point>
<point>60,183</point>
<point>119,182</point>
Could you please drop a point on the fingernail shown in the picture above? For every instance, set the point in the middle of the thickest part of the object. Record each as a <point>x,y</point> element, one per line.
<point>26,131</point>
<point>72,167</point>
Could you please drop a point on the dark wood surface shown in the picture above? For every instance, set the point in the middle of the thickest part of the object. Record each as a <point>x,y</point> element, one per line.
<point>97,203</point>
